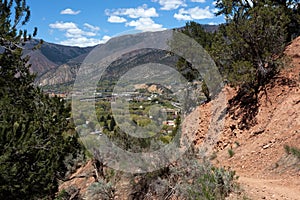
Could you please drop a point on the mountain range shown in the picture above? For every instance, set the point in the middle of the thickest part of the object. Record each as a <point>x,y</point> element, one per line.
<point>56,64</point>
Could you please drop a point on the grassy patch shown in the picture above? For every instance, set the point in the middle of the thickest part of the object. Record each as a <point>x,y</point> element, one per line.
<point>292,150</point>
<point>230,152</point>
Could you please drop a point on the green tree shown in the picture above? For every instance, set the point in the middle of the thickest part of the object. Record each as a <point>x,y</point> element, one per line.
<point>112,124</point>
<point>108,117</point>
<point>253,38</point>
<point>198,33</point>
<point>35,136</point>
<point>291,8</point>
<point>248,49</point>
<point>102,119</point>
<point>205,90</point>
<point>205,39</point>
<point>105,125</point>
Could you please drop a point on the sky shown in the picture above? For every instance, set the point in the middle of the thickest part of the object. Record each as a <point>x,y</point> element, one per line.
<point>91,22</point>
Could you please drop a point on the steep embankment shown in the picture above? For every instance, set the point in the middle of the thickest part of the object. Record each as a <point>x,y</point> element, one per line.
<point>257,153</point>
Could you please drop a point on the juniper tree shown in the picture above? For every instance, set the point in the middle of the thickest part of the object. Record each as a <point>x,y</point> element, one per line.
<point>253,39</point>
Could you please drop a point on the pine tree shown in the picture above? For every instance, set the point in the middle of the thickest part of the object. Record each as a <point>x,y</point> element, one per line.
<point>112,124</point>
<point>35,136</point>
<point>205,39</point>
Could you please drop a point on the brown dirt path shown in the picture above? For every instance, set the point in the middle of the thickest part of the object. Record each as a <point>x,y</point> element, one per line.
<point>257,188</point>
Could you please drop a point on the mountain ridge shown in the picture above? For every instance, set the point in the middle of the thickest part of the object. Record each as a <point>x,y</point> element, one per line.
<point>57,64</point>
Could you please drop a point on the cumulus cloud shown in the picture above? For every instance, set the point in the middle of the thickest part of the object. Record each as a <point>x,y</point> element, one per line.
<point>140,18</point>
<point>72,30</point>
<point>182,16</point>
<point>194,14</point>
<point>105,39</point>
<point>116,19</point>
<point>63,25</point>
<point>69,11</point>
<point>77,36</point>
<point>84,41</point>
<point>215,10</point>
<point>77,33</point>
<point>142,11</point>
<point>170,4</point>
<point>145,24</point>
<point>198,1</point>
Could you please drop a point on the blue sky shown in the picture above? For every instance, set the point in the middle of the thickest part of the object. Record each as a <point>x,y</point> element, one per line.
<point>90,22</point>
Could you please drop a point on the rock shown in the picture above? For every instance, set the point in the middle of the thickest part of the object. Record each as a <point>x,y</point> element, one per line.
<point>257,132</point>
<point>266,146</point>
<point>273,141</point>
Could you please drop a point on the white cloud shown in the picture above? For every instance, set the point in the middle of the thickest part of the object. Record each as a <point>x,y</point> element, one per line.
<point>91,27</point>
<point>170,4</point>
<point>198,1</point>
<point>105,38</point>
<point>116,19</point>
<point>142,11</point>
<point>77,32</point>
<point>215,10</point>
<point>180,16</point>
<point>212,23</point>
<point>84,41</point>
<point>63,25</point>
<point>69,11</point>
<point>142,15</point>
<point>194,13</point>
<point>77,36</point>
<point>145,24</point>
<point>72,30</point>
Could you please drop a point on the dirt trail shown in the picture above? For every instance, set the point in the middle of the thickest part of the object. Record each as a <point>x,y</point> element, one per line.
<point>257,188</point>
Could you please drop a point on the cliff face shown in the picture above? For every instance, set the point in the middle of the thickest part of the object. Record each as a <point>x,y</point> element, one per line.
<point>62,74</point>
